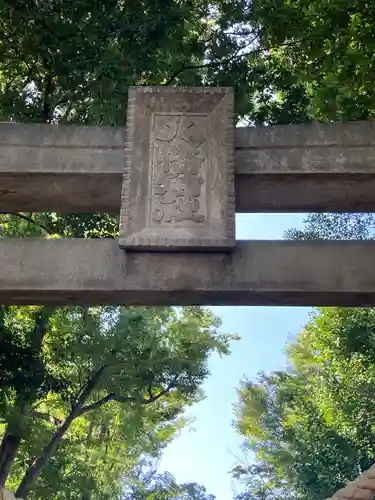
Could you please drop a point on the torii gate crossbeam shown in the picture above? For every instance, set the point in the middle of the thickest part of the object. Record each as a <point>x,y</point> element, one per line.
<point>296,168</point>
<point>283,273</point>
<point>177,184</point>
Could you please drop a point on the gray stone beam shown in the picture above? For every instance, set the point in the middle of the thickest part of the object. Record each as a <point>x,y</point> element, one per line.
<point>257,273</point>
<point>297,168</point>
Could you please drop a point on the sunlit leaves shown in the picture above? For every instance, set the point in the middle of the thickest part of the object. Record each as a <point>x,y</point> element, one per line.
<point>311,426</point>
<point>327,47</point>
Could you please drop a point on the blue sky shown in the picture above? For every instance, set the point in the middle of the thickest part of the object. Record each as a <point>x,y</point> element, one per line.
<point>205,452</point>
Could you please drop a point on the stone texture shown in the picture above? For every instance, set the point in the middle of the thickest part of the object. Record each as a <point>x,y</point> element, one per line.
<point>178,189</point>
<point>296,193</point>
<point>58,149</point>
<point>79,169</point>
<point>60,168</point>
<point>265,273</point>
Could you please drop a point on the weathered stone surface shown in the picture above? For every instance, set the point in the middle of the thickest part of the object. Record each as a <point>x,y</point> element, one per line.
<point>286,273</point>
<point>79,169</point>
<point>59,149</point>
<point>178,189</point>
<point>296,193</point>
<point>60,168</point>
<point>314,148</point>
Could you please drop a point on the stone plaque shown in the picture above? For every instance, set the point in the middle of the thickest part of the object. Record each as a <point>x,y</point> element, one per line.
<point>178,187</point>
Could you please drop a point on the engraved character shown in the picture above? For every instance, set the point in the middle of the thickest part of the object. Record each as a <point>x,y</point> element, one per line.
<point>178,183</point>
<point>190,190</point>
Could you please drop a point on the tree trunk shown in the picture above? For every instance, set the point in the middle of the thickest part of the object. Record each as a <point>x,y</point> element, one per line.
<point>13,433</point>
<point>49,450</point>
<point>48,89</point>
<point>8,451</point>
<point>39,464</point>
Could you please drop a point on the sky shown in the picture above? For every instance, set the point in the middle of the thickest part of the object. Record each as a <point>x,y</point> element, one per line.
<point>206,451</point>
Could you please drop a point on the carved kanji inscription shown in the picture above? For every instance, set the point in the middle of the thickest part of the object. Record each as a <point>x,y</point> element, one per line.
<point>179,166</point>
<point>178,191</point>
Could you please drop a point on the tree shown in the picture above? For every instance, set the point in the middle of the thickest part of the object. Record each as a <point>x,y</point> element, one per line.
<point>318,65</point>
<point>310,426</point>
<point>335,226</point>
<point>144,483</point>
<point>324,49</point>
<point>48,356</point>
<point>96,377</point>
<point>71,62</point>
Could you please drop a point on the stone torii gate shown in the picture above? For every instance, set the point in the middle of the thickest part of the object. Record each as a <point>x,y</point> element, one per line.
<point>177,174</point>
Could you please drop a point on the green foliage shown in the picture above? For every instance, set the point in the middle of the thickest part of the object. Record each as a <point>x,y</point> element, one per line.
<point>72,61</point>
<point>311,426</point>
<point>336,226</point>
<point>144,483</point>
<point>152,362</point>
<point>325,49</point>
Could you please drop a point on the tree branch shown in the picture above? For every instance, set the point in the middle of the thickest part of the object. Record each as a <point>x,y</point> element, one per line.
<point>98,404</point>
<point>89,386</point>
<point>48,89</point>
<point>45,416</point>
<point>37,466</point>
<point>149,390</point>
<point>275,496</point>
<point>235,56</point>
<point>151,399</point>
<point>113,397</point>
<point>28,219</point>
<point>213,64</point>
